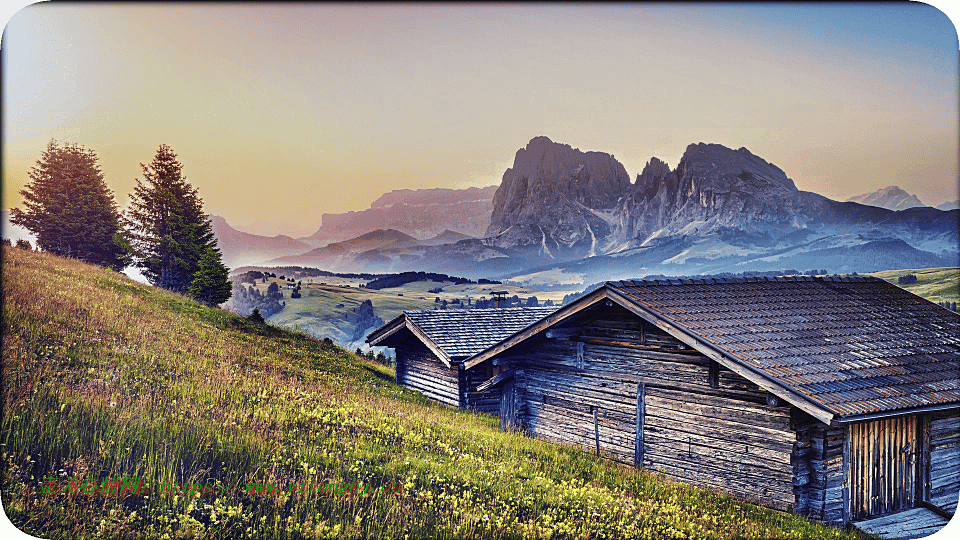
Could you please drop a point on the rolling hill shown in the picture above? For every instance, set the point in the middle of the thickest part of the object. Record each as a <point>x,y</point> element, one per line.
<point>240,430</point>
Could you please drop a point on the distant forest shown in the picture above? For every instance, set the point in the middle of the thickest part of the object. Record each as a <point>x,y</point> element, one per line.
<point>300,272</point>
<point>401,279</point>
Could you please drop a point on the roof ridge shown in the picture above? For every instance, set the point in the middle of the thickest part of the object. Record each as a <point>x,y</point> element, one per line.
<point>706,280</point>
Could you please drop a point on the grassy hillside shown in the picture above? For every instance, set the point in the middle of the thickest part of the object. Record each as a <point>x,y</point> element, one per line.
<point>934,284</point>
<point>108,379</point>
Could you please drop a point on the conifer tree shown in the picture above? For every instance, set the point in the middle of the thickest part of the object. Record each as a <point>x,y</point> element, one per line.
<point>211,282</point>
<point>70,209</point>
<point>169,231</point>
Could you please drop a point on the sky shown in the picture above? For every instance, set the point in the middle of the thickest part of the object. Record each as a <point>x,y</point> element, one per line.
<point>280,113</point>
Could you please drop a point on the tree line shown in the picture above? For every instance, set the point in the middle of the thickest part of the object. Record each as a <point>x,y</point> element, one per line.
<point>164,231</point>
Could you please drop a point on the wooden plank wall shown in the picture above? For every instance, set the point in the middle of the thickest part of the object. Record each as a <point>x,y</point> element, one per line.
<point>420,370</point>
<point>487,401</point>
<point>724,437</point>
<point>882,471</point>
<point>944,460</point>
<point>818,469</point>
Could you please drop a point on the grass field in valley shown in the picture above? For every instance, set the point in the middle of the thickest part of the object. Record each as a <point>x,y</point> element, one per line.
<point>934,284</point>
<point>106,378</point>
<point>321,309</point>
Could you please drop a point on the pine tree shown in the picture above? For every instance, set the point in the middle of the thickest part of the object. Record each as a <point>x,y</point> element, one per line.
<point>256,317</point>
<point>70,209</point>
<point>211,282</point>
<point>169,231</point>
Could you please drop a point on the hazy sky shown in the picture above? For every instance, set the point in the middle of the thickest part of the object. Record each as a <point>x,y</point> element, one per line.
<point>283,112</point>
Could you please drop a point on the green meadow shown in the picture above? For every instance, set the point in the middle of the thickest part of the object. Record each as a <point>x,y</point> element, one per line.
<point>322,308</point>
<point>934,284</point>
<point>107,379</point>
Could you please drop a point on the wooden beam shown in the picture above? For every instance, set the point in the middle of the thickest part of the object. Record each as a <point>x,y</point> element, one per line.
<point>387,330</point>
<point>847,479</point>
<point>608,342</point>
<point>714,374</point>
<point>596,430</point>
<point>562,333</point>
<point>641,420</point>
<point>495,380</point>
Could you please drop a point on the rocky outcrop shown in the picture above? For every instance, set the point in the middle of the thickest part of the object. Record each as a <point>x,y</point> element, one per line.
<point>712,188</point>
<point>364,319</point>
<point>554,199</point>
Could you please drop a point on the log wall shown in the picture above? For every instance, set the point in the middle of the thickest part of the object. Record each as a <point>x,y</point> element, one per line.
<point>715,431</point>
<point>944,460</point>
<point>419,369</point>
<point>818,469</point>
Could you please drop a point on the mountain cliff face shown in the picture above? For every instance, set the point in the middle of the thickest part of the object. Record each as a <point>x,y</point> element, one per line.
<point>554,198</point>
<point>890,197</point>
<point>421,213</point>
<point>712,188</point>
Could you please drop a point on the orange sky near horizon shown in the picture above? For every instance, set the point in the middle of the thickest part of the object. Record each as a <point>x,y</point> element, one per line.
<point>281,113</point>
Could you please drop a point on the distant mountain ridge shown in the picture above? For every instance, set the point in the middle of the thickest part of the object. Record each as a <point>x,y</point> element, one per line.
<point>890,197</point>
<point>421,213</point>
<point>239,248</point>
<point>949,205</point>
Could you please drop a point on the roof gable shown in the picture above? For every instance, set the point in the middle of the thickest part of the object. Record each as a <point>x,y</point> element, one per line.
<point>836,347</point>
<point>461,333</point>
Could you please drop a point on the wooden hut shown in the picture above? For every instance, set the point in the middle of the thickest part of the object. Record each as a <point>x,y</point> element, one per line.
<point>836,398</point>
<point>431,346</point>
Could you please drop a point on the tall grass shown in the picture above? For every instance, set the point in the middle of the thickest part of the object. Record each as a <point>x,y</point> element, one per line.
<point>105,378</point>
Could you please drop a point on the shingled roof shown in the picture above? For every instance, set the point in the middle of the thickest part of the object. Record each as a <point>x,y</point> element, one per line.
<point>851,347</point>
<point>462,333</point>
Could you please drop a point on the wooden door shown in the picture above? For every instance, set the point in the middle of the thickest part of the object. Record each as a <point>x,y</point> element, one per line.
<point>883,466</point>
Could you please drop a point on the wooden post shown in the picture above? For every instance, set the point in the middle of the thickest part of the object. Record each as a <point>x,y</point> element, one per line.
<point>641,413</point>
<point>596,430</point>
<point>579,355</point>
<point>845,493</point>
<point>923,457</point>
<point>714,374</point>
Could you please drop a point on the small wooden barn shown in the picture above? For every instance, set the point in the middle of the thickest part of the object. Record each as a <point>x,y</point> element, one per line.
<point>431,346</point>
<point>836,398</point>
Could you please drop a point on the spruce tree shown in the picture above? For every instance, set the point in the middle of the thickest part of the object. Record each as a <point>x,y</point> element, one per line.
<point>169,231</point>
<point>211,283</point>
<point>70,209</point>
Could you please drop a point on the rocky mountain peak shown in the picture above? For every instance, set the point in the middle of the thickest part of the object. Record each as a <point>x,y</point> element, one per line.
<point>549,196</point>
<point>731,170</point>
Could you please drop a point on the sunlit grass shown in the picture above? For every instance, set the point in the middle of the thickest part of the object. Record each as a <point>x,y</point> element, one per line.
<point>106,378</point>
<point>934,284</point>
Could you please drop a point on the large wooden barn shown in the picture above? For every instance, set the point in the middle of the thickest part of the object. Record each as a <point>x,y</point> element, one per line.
<point>836,398</point>
<point>431,346</point>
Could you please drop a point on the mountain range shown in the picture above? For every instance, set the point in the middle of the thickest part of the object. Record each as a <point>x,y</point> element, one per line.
<point>562,215</point>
